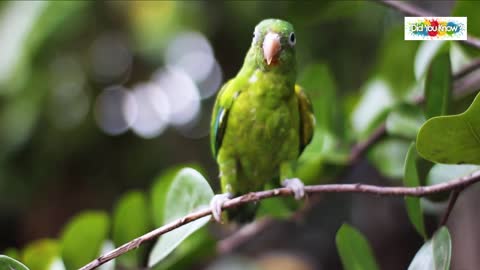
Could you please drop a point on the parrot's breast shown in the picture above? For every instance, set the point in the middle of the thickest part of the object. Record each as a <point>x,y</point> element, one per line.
<point>263,131</point>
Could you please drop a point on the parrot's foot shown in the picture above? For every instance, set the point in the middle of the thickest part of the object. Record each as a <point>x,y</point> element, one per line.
<point>296,186</point>
<point>216,205</point>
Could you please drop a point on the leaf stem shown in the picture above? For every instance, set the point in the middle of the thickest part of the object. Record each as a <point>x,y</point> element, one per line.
<point>451,203</point>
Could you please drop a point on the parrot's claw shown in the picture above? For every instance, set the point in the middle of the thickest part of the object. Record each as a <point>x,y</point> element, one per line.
<point>296,186</point>
<point>216,205</point>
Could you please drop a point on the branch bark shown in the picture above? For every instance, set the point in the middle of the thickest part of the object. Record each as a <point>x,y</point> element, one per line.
<point>455,184</point>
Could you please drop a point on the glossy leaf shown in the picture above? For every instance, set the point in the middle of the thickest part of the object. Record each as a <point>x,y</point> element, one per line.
<point>354,250</point>
<point>372,107</point>
<point>159,192</point>
<point>425,54</point>
<point>405,120</point>
<point>388,156</point>
<point>199,245</point>
<point>188,191</point>
<point>130,220</point>
<point>86,233</point>
<point>411,179</point>
<point>435,254</point>
<point>41,254</point>
<point>453,139</point>
<point>438,86</point>
<point>7,263</point>
<point>319,84</point>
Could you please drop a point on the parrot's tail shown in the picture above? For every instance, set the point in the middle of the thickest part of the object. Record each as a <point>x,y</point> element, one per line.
<point>243,213</point>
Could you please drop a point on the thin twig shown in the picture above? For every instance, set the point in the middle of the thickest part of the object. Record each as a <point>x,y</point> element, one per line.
<point>467,69</point>
<point>421,191</point>
<point>360,148</point>
<point>411,10</point>
<point>451,203</point>
<point>463,85</point>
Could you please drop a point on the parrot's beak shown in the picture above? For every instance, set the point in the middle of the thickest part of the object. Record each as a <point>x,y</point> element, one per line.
<point>271,46</point>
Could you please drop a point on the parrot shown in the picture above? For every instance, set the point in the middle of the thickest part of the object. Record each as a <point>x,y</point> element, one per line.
<point>261,121</point>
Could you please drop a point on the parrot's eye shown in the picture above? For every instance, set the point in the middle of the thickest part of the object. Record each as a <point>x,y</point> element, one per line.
<point>291,39</point>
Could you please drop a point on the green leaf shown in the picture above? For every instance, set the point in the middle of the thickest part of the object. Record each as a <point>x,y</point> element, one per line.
<point>410,179</point>
<point>434,254</point>
<point>453,139</point>
<point>41,254</point>
<point>318,83</point>
<point>372,107</point>
<point>188,191</point>
<point>425,54</point>
<point>159,192</point>
<point>395,63</point>
<point>388,156</point>
<point>438,86</point>
<point>7,263</point>
<point>130,220</point>
<point>199,245</point>
<point>405,120</point>
<point>354,250</point>
<point>469,9</point>
<point>83,238</point>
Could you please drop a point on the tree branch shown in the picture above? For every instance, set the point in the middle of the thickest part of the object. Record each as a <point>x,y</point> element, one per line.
<point>412,10</point>
<point>451,203</point>
<point>421,191</point>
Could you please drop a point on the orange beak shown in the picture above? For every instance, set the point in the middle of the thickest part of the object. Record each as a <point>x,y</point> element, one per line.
<point>271,46</point>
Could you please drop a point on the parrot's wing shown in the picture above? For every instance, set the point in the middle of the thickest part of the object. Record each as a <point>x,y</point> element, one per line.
<point>307,118</point>
<point>221,109</point>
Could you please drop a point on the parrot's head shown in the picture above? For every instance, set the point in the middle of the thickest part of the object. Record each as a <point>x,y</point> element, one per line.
<point>273,44</point>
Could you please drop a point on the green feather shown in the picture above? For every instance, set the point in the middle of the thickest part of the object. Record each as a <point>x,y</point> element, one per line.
<point>261,120</point>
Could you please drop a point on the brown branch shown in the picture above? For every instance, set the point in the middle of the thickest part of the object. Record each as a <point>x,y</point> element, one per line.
<point>421,191</point>
<point>463,85</point>
<point>451,203</point>
<point>411,10</point>
<point>467,69</point>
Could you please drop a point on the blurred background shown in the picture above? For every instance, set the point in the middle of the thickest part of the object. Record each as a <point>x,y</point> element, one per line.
<point>100,97</point>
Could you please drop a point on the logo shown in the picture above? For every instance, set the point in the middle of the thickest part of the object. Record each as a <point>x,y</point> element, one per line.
<point>435,28</point>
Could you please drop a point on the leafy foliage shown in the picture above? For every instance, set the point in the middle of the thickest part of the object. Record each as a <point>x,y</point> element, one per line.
<point>410,179</point>
<point>189,191</point>
<point>452,139</point>
<point>7,263</point>
<point>130,220</point>
<point>435,254</point>
<point>355,85</point>
<point>85,232</point>
<point>354,250</point>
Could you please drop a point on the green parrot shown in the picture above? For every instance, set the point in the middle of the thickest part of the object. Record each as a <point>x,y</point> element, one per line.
<point>261,120</point>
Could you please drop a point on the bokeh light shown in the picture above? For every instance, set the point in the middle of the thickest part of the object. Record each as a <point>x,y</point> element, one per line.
<point>182,94</point>
<point>192,53</point>
<point>109,110</point>
<point>151,112</point>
